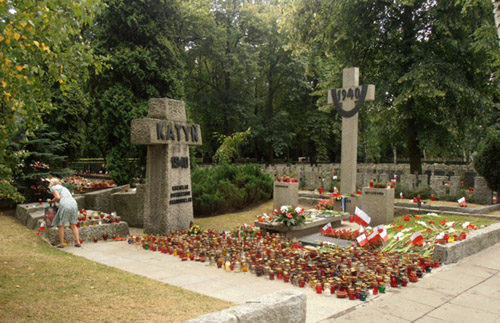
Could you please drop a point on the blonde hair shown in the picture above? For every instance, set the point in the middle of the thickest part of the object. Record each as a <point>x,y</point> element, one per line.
<point>54,181</point>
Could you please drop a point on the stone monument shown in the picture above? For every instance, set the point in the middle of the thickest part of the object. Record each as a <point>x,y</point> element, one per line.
<point>285,193</point>
<point>168,202</point>
<point>347,102</point>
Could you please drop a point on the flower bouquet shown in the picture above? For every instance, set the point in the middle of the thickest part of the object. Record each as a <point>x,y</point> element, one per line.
<point>325,204</point>
<point>245,230</point>
<point>289,216</point>
<point>195,230</point>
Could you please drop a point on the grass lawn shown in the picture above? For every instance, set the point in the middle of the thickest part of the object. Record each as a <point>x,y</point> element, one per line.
<point>228,221</point>
<point>41,283</point>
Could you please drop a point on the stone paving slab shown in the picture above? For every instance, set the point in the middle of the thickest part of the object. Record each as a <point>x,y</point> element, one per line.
<point>468,291</point>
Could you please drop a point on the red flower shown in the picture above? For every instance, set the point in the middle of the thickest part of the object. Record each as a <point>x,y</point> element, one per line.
<point>401,227</point>
<point>406,218</point>
<point>432,222</point>
<point>443,222</point>
<point>417,216</point>
<point>289,215</point>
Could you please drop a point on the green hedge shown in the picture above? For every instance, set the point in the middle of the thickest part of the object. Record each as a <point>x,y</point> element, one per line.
<point>225,188</point>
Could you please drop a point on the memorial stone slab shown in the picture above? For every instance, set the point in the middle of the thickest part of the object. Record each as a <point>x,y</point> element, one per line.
<point>482,193</point>
<point>408,181</point>
<point>469,179</point>
<point>454,185</point>
<point>359,180</point>
<point>378,203</point>
<point>167,199</point>
<point>423,181</point>
<point>285,194</point>
<point>438,185</point>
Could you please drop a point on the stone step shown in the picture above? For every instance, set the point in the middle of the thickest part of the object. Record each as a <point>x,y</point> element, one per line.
<point>34,219</point>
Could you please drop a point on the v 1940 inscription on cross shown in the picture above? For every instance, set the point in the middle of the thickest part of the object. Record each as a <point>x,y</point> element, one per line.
<point>347,102</point>
<point>168,200</point>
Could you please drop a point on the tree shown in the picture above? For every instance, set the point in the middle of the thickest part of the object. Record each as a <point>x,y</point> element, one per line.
<point>45,159</point>
<point>486,161</point>
<point>432,61</point>
<point>39,41</point>
<point>142,41</point>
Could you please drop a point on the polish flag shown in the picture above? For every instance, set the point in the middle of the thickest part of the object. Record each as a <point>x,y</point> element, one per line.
<point>361,218</point>
<point>372,237</point>
<point>417,238</point>
<point>362,240</point>
<point>328,225</point>
<point>382,232</point>
<point>461,201</point>
<point>361,229</point>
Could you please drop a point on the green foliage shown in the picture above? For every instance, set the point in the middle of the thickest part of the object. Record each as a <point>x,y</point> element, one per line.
<point>425,193</point>
<point>228,151</point>
<point>225,187</point>
<point>433,63</point>
<point>40,44</point>
<point>44,159</point>
<point>487,161</point>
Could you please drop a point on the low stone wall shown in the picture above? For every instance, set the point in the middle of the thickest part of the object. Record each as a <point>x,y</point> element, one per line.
<point>127,205</point>
<point>88,233</point>
<point>444,180</point>
<point>101,200</point>
<point>130,206</point>
<point>475,242</point>
<point>286,306</point>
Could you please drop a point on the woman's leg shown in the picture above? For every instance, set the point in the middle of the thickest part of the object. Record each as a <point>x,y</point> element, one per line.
<point>75,232</point>
<point>61,234</point>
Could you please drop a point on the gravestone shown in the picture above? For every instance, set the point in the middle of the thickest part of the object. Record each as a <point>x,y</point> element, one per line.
<point>438,185</point>
<point>168,202</point>
<point>347,102</point>
<point>454,185</point>
<point>482,193</point>
<point>379,204</point>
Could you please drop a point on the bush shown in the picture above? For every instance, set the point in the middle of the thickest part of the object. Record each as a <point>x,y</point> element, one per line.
<point>487,162</point>
<point>225,188</point>
<point>425,193</point>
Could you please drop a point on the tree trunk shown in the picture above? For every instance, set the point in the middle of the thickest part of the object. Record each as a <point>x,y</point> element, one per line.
<point>414,148</point>
<point>395,154</point>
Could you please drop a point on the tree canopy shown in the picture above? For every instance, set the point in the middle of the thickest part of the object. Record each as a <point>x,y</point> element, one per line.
<point>87,68</point>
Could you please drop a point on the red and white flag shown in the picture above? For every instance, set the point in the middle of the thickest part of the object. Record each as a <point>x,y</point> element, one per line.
<point>361,218</point>
<point>372,237</point>
<point>461,201</point>
<point>417,238</point>
<point>361,229</point>
<point>328,225</point>
<point>362,240</point>
<point>382,232</point>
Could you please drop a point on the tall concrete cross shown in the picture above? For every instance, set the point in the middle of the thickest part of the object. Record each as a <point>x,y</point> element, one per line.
<point>168,202</point>
<point>347,102</point>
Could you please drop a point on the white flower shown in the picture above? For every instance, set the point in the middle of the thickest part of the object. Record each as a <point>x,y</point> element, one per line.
<point>450,224</point>
<point>399,235</point>
<point>298,209</point>
<point>465,225</point>
<point>451,230</point>
<point>431,213</point>
<point>422,223</point>
<point>440,236</point>
<point>284,209</point>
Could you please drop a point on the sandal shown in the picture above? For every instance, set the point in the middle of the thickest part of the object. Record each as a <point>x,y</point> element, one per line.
<point>78,245</point>
<point>60,246</point>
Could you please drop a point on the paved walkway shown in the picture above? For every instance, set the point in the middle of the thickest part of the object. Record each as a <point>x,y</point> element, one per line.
<point>465,292</point>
